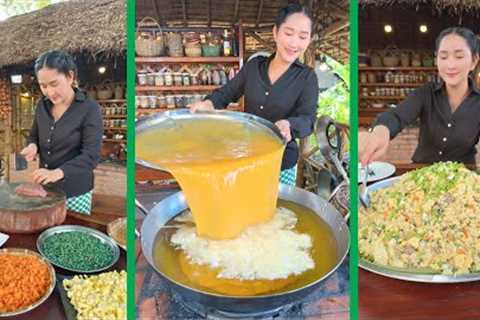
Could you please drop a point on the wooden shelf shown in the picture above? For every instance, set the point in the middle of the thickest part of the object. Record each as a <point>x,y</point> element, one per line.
<point>387,84</point>
<point>367,115</point>
<point>176,88</point>
<point>114,116</point>
<point>111,101</point>
<point>114,129</point>
<point>187,60</point>
<point>366,111</point>
<point>149,110</point>
<point>115,140</point>
<point>383,97</point>
<point>397,69</point>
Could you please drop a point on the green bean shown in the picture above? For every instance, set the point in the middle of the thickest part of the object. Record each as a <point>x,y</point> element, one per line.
<point>77,250</point>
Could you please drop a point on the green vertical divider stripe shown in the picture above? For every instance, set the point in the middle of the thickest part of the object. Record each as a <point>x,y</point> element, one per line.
<point>131,303</point>
<point>353,159</point>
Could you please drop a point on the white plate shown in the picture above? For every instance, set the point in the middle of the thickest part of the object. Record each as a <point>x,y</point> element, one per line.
<point>3,238</point>
<point>378,171</point>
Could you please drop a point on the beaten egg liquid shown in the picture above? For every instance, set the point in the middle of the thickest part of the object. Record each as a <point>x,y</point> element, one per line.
<point>228,171</point>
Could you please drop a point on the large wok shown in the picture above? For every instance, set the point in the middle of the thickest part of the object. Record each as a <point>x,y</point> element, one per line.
<point>22,214</point>
<point>175,204</point>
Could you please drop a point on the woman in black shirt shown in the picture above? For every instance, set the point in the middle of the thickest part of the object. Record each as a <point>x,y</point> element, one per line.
<point>66,133</point>
<point>279,88</point>
<point>448,110</point>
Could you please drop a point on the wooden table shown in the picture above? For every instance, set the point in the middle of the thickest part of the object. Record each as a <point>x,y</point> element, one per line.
<point>52,308</point>
<point>382,298</point>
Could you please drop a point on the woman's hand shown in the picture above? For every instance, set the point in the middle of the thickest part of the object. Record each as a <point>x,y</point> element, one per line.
<point>284,127</point>
<point>44,176</point>
<point>373,145</point>
<point>30,152</point>
<point>205,105</point>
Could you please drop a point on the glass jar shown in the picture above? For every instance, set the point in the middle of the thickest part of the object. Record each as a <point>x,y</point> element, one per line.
<point>170,102</point>
<point>143,101</point>
<point>194,79</point>
<point>151,79</point>
<point>168,78</point>
<point>186,79</point>
<point>178,101</point>
<point>177,79</point>
<point>159,79</point>
<point>216,78</point>
<point>388,77</point>
<point>142,79</point>
<point>161,102</point>
<point>223,77</point>
<point>152,102</point>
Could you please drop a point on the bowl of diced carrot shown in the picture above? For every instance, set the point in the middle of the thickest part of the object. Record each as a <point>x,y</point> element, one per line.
<point>26,281</point>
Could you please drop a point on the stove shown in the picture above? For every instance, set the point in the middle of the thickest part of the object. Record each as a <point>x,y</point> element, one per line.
<point>291,311</point>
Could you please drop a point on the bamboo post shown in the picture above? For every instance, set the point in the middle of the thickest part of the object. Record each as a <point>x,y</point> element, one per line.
<point>8,144</point>
<point>309,60</point>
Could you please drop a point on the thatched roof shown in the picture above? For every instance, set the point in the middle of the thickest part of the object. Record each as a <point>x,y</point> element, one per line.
<point>257,18</point>
<point>457,7</point>
<point>405,16</point>
<point>94,26</point>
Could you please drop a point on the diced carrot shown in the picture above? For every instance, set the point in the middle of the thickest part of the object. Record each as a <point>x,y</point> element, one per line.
<point>23,281</point>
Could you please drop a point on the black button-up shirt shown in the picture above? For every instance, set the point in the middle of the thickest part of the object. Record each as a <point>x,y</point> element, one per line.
<point>444,136</point>
<point>293,97</point>
<point>72,143</point>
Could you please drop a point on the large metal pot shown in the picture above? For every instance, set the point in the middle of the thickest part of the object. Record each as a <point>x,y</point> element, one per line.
<point>172,206</point>
<point>167,119</point>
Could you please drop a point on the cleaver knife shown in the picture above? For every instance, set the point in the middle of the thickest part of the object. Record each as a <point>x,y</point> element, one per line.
<point>20,162</point>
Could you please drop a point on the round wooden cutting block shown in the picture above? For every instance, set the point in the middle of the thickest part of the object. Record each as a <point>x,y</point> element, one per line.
<point>23,214</point>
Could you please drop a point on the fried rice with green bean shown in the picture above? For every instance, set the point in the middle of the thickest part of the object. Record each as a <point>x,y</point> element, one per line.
<point>428,220</point>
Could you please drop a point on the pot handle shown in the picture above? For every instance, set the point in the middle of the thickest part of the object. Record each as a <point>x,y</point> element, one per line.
<point>332,196</point>
<point>142,209</point>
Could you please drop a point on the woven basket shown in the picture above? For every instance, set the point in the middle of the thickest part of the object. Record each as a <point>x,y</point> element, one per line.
<point>391,57</point>
<point>104,91</point>
<point>150,44</point>
<point>118,91</point>
<point>175,46</point>
<point>193,51</point>
<point>210,50</point>
<point>376,60</point>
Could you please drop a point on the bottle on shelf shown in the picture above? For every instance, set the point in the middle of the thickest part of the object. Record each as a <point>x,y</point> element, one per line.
<point>227,49</point>
<point>234,43</point>
<point>203,40</point>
